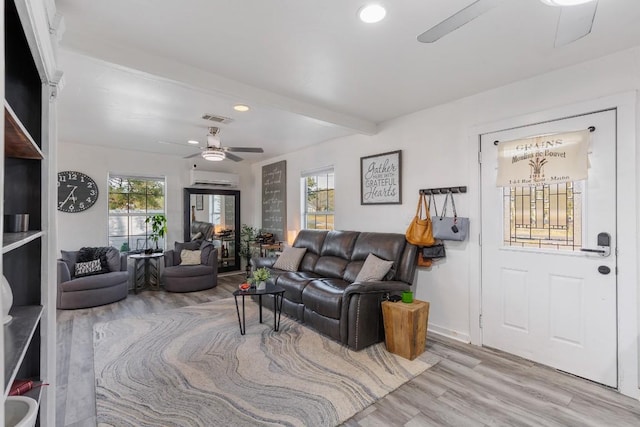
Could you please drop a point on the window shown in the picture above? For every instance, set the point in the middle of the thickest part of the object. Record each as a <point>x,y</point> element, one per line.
<point>318,200</point>
<point>131,201</point>
<point>544,216</point>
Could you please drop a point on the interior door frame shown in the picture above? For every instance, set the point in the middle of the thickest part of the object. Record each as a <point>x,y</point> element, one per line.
<point>628,323</point>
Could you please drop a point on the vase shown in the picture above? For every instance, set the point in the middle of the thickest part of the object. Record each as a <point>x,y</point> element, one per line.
<point>261,286</point>
<point>7,300</point>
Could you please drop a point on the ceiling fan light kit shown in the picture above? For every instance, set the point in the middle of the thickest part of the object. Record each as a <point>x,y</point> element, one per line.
<point>213,155</point>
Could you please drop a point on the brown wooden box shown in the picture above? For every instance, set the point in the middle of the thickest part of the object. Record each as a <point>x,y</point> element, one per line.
<point>405,327</point>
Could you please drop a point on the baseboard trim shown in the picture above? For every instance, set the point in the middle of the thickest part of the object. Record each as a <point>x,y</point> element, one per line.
<point>445,332</point>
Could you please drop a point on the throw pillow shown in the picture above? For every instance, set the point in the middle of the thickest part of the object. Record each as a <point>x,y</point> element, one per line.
<point>190,257</point>
<point>88,268</point>
<point>95,253</point>
<point>290,259</point>
<point>373,269</point>
<point>178,247</point>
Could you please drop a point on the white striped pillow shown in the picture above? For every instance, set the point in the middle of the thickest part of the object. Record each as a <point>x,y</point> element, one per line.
<point>290,259</point>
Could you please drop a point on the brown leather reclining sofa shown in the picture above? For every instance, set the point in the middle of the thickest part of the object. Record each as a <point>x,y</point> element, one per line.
<point>323,294</point>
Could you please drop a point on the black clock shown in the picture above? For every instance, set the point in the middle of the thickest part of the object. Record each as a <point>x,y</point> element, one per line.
<point>76,192</point>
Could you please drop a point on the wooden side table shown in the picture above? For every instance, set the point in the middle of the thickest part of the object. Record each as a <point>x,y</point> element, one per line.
<point>405,327</point>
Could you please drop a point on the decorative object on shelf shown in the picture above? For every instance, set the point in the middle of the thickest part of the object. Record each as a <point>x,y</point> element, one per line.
<point>420,231</point>
<point>17,223</point>
<point>260,277</point>
<point>124,247</point>
<point>77,192</point>
<point>7,300</point>
<point>247,237</point>
<point>381,179</point>
<point>158,227</point>
<point>20,411</point>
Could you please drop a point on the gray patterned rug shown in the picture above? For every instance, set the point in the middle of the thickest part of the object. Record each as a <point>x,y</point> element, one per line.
<point>191,367</point>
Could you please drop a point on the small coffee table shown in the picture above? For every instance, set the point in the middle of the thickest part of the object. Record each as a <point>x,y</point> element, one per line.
<point>278,296</point>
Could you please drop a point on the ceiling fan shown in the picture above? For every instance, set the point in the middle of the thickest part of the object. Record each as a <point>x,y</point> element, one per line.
<point>214,151</point>
<point>575,22</point>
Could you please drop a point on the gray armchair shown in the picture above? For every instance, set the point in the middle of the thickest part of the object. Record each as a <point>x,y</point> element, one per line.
<point>190,278</point>
<point>93,290</point>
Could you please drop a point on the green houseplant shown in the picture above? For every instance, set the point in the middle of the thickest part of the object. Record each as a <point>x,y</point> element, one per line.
<point>260,277</point>
<point>247,237</point>
<point>158,227</point>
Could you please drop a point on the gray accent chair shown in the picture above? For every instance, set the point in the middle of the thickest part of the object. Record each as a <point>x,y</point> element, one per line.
<point>190,278</point>
<point>91,291</point>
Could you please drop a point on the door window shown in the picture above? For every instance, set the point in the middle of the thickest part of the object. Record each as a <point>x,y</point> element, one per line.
<point>548,216</point>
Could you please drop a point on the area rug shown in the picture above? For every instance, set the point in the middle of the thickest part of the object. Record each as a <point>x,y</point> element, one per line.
<point>191,367</point>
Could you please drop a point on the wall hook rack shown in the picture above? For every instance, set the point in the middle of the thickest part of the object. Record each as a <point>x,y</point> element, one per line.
<point>444,190</point>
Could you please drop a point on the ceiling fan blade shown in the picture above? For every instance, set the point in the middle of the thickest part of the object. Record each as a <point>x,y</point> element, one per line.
<point>233,157</point>
<point>244,149</point>
<point>193,155</point>
<point>457,20</point>
<point>575,22</point>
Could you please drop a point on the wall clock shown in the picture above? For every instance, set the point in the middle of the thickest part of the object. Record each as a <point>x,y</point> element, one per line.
<point>76,191</point>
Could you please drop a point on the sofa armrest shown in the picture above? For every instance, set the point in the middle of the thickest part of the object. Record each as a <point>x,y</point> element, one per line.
<point>259,262</point>
<point>361,321</point>
<point>168,258</point>
<point>124,258</point>
<point>383,286</point>
<point>64,275</point>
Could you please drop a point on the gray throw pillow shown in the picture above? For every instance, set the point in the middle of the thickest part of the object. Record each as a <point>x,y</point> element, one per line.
<point>88,268</point>
<point>113,259</point>
<point>290,259</point>
<point>373,269</point>
<point>69,257</point>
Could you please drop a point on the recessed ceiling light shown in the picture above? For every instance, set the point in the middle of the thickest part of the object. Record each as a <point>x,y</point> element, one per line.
<point>192,141</point>
<point>241,107</point>
<point>565,2</point>
<point>372,13</point>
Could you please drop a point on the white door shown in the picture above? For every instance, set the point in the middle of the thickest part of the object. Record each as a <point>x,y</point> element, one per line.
<point>542,297</point>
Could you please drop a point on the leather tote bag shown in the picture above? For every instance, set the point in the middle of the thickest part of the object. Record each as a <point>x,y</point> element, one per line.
<point>420,232</point>
<point>450,228</point>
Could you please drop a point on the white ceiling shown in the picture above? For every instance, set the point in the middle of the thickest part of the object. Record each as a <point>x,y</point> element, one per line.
<point>142,71</point>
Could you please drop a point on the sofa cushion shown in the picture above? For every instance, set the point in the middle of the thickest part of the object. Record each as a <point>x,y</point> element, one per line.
<point>339,244</point>
<point>331,266</point>
<point>310,239</point>
<point>374,269</point>
<point>324,296</point>
<point>294,283</point>
<point>94,253</point>
<point>290,259</point>
<point>187,270</point>
<point>106,280</point>
<point>388,246</point>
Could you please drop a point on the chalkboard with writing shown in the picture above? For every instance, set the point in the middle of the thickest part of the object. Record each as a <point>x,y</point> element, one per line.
<point>274,199</point>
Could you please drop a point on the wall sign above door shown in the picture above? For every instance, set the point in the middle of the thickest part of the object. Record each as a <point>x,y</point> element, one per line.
<point>380,179</point>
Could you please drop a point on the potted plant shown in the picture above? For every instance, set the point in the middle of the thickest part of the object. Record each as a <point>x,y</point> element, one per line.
<point>247,237</point>
<point>158,227</point>
<point>260,277</point>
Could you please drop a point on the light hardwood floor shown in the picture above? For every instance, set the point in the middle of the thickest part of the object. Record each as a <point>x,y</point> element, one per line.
<point>470,386</point>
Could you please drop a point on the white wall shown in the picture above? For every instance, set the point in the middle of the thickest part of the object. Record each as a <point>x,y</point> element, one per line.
<point>90,228</point>
<point>439,148</point>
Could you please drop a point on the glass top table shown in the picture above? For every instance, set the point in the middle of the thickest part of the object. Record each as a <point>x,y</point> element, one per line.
<point>278,296</point>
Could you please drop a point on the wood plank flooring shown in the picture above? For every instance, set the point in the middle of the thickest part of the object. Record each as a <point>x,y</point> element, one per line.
<point>471,386</point>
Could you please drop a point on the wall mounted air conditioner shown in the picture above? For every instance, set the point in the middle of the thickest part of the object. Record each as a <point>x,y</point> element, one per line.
<point>211,178</point>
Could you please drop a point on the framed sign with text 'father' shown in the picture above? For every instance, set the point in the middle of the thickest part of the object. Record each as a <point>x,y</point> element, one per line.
<point>381,179</point>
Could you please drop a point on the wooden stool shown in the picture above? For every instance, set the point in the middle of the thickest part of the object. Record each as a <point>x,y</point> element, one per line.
<point>405,327</point>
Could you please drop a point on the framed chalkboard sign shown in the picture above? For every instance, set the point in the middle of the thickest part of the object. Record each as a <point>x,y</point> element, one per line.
<point>274,199</point>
